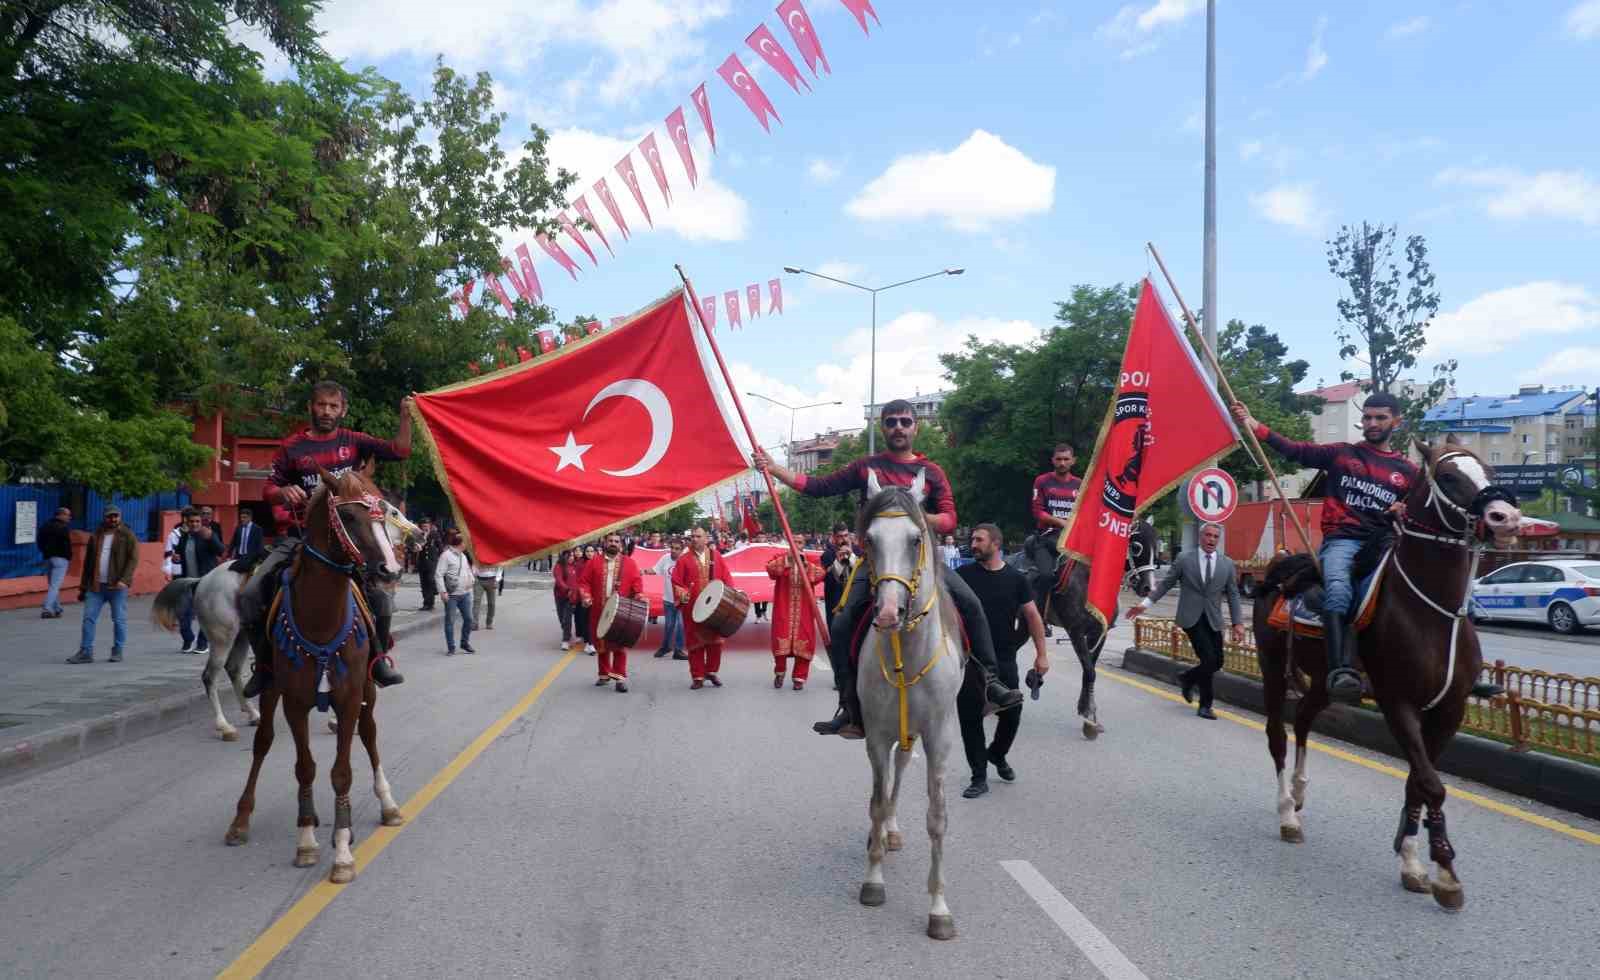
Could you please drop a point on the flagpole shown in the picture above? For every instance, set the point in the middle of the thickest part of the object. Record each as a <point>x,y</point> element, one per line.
<point>750,432</point>
<point>1227,390</point>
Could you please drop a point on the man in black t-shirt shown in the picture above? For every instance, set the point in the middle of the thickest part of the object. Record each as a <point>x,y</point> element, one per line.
<point>1008,607</point>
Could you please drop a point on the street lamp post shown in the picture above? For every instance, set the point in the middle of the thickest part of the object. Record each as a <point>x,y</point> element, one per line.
<point>872,383</point>
<point>788,449</point>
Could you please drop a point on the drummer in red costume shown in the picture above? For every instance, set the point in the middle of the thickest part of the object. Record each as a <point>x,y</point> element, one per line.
<point>794,625</point>
<point>607,574</point>
<point>698,567</point>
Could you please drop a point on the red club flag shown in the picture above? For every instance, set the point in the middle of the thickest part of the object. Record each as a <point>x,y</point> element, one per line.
<point>631,178</point>
<point>798,21</point>
<point>629,423</point>
<point>731,300</point>
<point>571,228</point>
<point>775,290</point>
<point>547,342</point>
<point>708,310</point>
<point>1165,422</point>
<point>604,193</point>
<point>558,253</point>
<point>702,105</point>
<point>500,293</point>
<point>582,207</point>
<point>652,159</point>
<point>526,285</point>
<point>678,132</point>
<point>738,78</point>
<point>752,297</point>
<point>772,53</point>
<point>861,8</point>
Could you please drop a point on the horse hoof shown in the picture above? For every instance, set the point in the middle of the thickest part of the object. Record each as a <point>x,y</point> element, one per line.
<point>306,857</point>
<point>1417,883</point>
<point>892,841</point>
<point>1449,894</point>
<point>393,818</point>
<point>941,927</point>
<point>236,836</point>
<point>873,894</point>
<point>229,735</point>
<point>1293,835</point>
<point>1092,730</point>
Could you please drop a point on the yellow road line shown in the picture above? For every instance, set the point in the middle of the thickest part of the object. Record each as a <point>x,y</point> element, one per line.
<point>1577,833</point>
<point>281,933</point>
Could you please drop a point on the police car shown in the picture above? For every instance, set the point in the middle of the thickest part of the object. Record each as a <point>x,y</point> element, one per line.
<point>1565,594</point>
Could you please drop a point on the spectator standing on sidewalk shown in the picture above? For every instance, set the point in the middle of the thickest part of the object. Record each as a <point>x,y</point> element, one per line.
<point>208,518</point>
<point>108,566</point>
<point>486,589</point>
<point>197,553</point>
<point>247,541</point>
<point>428,551</point>
<point>55,544</point>
<point>453,580</point>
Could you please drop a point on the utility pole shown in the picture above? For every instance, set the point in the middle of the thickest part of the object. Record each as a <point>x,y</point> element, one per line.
<point>1208,290</point>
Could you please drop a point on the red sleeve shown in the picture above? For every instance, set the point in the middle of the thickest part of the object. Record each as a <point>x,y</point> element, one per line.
<point>719,571</point>
<point>775,568</point>
<point>381,449</point>
<point>586,587</point>
<point>1039,513</point>
<point>838,483</point>
<point>680,573</point>
<point>1305,453</point>
<point>278,478</point>
<point>632,584</point>
<point>940,505</point>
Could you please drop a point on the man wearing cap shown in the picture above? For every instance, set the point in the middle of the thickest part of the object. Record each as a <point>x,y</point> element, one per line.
<point>108,566</point>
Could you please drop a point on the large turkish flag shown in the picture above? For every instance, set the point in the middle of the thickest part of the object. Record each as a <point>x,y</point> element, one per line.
<point>1164,423</point>
<point>608,431</point>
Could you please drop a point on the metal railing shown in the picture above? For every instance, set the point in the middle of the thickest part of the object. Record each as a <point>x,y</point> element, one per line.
<point>1558,713</point>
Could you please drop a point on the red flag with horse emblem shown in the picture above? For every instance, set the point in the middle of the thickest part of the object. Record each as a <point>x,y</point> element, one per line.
<point>1165,422</point>
<point>610,430</point>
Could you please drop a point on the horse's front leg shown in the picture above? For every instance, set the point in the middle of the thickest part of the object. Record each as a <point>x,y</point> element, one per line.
<point>306,851</point>
<point>892,839</point>
<point>390,815</point>
<point>878,749</point>
<point>344,862</point>
<point>1086,643</point>
<point>941,924</point>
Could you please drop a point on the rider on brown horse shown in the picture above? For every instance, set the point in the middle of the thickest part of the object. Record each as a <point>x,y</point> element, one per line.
<point>1367,483</point>
<point>295,474</point>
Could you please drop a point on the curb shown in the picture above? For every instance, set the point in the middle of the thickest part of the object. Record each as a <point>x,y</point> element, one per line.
<point>1549,779</point>
<point>80,740</point>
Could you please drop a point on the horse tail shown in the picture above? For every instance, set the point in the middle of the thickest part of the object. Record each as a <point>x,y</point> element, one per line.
<point>170,602</point>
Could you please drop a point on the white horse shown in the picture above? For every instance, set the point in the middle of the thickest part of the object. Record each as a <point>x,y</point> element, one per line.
<point>909,673</point>
<point>214,598</point>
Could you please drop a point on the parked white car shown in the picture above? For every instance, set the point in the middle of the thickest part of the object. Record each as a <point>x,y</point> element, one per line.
<point>1564,594</point>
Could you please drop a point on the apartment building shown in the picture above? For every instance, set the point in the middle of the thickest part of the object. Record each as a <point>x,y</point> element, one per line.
<point>1533,426</point>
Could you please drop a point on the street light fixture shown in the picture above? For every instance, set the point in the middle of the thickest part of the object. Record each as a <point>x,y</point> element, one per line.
<point>788,449</point>
<point>872,383</point>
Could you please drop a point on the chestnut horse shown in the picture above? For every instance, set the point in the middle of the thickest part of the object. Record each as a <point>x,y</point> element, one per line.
<point>321,638</point>
<point>1420,651</point>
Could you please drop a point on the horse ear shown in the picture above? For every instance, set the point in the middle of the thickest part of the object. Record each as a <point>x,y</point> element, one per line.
<point>919,486</point>
<point>1427,451</point>
<point>327,478</point>
<point>873,486</point>
<point>1451,440</point>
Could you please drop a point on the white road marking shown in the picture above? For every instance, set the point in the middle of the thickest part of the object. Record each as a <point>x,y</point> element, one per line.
<point>1106,957</point>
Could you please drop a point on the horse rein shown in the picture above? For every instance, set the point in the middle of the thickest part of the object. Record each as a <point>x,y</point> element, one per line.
<point>899,681</point>
<point>357,563</point>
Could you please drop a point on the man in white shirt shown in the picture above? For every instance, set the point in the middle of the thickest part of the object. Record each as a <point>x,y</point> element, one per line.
<point>672,625</point>
<point>454,578</point>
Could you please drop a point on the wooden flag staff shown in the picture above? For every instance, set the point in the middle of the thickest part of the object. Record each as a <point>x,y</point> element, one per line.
<point>750,432</point>
<point>1227,391</point>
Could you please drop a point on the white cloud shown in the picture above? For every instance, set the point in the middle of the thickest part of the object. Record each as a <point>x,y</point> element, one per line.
<point>1567,194</point>
<point>1407,28</point>
<point>1292,205</point>
<point>822,171</point>
<point>1583,21</point>
<point>1133,27</point>
<point>710,212</point>
<point>1516,315</point>
<point>982,181</point>
<point>1316,55</point>
<point>1579,364</point>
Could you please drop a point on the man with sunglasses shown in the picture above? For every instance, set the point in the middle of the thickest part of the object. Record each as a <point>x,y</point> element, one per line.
<point>897,465</point>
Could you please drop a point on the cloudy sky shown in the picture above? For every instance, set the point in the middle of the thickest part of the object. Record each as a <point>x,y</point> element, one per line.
<point>1039,146</point>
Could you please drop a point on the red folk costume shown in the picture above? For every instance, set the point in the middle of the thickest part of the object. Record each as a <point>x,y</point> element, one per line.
<point>794,625</point>
<point>600,579</point>
<point>690,575</point>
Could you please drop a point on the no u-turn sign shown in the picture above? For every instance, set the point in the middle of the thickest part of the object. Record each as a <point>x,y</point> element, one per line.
<point>1213,495</point>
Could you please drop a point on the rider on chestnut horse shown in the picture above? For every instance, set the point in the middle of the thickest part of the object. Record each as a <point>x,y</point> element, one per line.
<point>330,446</point>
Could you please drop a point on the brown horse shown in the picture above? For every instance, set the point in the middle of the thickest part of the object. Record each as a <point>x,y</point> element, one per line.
<point>1420,651</point>
<point>322,644</point>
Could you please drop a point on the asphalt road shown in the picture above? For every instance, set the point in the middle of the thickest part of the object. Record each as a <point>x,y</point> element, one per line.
<point>679,833</point>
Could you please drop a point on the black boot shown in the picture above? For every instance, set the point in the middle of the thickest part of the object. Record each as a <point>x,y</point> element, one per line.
<point>384,674</point>
<point>1344,683</point>
<point>1487,689</point>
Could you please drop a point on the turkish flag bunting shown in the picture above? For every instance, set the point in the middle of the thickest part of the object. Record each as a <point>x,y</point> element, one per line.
<point>708,310</point>
<point>463,296</point>
<point>775,290</point>
<point>752,296</point>
<point>571,228</point>
<point>604,193</point>
<point>547,342</point>
<point>678,132</point>
<point>558,253</point>
<point>582,207</point>
<point>772,53</point>
<point>738,78</point>
<point>731,300</point>
<point>527,284</point>
<point>794,16</point>
<point>500,293</point>
<point>652,159</point>
<point>861,8</point>
<point>628,424</point>
<point>631,178</point>
<point>702,105</point>
<point>1165,422</point>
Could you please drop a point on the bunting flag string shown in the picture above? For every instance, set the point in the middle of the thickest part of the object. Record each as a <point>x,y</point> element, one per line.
<point>731,298</point>
<point>752,295</point>
<point>679,134</point>
<point>775,292</point>
<point>767,46</point>
<point>582,207</point>
<point>652,158</point>
<point>571,228</point>
<point>738,78</point>
<point>861,8</point>
<point>793,13</point>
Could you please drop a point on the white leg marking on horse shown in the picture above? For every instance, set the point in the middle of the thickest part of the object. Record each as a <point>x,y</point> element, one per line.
<point>1300,777</point>
<point>1413,872</point>
<point>1288,820</point>
<point>341,847</point>
<point>380,789</point>
<point>1106,957</point>
<point>308,838</point>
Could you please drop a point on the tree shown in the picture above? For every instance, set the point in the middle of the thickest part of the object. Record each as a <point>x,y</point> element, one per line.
<point>1384,314</point>
<point>674,520</point>
<point>1253,360</point>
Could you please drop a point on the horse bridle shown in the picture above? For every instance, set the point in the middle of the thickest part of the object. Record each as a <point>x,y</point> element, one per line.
<point>357,563</point>
<point>912,584</point>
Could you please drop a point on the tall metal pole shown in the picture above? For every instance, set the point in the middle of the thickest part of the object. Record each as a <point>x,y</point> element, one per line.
<point>872,384</point>
<point>1208,289</point>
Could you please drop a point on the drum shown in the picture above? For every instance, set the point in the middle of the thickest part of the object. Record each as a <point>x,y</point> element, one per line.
<point>622,620</point>
<point>721,608</point>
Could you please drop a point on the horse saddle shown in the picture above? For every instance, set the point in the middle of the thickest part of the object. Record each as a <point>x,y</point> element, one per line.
<point>1305,609</point>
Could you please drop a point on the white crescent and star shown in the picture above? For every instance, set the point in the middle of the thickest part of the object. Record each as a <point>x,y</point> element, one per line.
<point>738,75</point>
<point>767,47</point>
<point>654,401</point>
<point>797,20</point>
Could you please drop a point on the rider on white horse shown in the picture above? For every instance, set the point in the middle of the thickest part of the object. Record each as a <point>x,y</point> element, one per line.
<point>295,474</point>
<point>899,466</point>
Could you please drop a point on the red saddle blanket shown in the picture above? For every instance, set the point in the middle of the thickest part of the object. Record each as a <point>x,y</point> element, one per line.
<point>1284,610</point>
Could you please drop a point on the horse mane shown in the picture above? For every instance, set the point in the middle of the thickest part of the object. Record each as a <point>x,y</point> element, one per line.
<point>881,502</point>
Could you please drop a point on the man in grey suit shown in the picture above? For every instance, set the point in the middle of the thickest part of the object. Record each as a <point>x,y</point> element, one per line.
<point>1206,576</point>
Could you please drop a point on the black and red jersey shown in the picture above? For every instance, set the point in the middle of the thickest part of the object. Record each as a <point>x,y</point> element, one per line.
<point>338,452</point>
<point>1053,497</point>
<point>1363,483</point>
<point>939,504</point>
